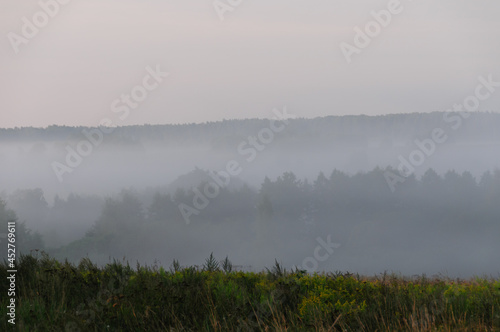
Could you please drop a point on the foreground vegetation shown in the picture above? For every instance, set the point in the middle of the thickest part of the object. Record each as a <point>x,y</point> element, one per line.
<point>55,296</point>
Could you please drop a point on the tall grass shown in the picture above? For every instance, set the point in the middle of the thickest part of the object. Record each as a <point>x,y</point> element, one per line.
<point>59,296</point>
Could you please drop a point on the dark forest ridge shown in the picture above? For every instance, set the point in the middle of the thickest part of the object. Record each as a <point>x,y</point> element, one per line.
<point>480,124</point>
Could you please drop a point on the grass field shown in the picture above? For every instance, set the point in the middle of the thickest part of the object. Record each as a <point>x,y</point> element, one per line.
<point>55,296</point>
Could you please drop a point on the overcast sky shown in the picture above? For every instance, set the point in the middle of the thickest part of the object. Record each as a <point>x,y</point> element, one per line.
<point>264,54</point>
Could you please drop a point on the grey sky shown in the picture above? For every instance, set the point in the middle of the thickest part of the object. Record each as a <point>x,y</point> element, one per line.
<point>265,54</point>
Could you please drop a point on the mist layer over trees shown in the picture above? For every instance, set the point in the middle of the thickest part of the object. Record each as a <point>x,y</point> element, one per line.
<point>141,194</point>
<point>142,156</point>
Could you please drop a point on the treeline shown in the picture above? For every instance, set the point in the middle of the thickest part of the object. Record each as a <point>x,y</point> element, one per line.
<point>359,211</point>
<point>341,129</point>
<point>287,209</point>
<point>23,240</point>
<point>290,200</point>
<point>65,220</point>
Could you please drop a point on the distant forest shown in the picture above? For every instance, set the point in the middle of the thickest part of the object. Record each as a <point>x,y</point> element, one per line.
<point>138,194</point>
<point>352,129</point>
<point>431,210</point>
